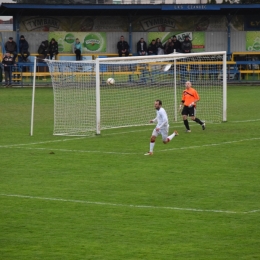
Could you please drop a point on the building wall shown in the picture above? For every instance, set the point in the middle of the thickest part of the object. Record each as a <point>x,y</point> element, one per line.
<point>214,41</point>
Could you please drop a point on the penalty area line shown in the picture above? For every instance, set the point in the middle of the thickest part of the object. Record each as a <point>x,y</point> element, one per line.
<point>128,205</point>
<point>43,142</point>
<point>174,125</point>
<point>209,145</point>
<point>132,153</point>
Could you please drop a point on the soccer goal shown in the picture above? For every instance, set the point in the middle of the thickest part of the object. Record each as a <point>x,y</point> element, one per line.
<point>85,102</point>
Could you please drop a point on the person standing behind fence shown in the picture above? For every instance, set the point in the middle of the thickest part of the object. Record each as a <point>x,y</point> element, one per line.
<point>152,48</point>
<point>8,63</point>
<point>23,49</point>
<point>77,49</point>
<point>123,47</point>
<point>186,45</point>
<point>169,47</point>
<point>11,47</point>
<point>177,44</point>
<point>159,46</point>
<point>53,48</point>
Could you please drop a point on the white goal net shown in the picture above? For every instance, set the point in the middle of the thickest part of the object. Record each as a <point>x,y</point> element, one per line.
<point>84,103</point>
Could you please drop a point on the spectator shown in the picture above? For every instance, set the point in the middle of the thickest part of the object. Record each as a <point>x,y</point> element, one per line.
<point>77,49</point>
<point>122,47</point>
<point>177,44</point>
<point>160,50</point>
<point>169,47</point>
<point>8,63</point>
<point>44,48</point>
<point>11,47</point>
<point>23,49</point>
<point>142,47</point>
<point>53,48</point>
<point>186,45</point>
<point>152,49</point>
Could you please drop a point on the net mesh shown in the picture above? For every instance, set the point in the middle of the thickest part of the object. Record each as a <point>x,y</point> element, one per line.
<point>138,82</point>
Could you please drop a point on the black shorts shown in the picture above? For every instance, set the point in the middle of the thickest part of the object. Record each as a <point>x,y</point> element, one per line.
<point>188,111</point>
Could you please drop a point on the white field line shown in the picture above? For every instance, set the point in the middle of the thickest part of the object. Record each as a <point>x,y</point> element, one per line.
<point>129,205</point>
<point>245,121</point>
<point>68,139</point>
<point>44,142</point>
<point>131,153</point>
<point>179,125</point>
<point>210,145</point>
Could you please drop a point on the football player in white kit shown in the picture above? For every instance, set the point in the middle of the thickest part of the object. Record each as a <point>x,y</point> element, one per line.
<point>161,128</point>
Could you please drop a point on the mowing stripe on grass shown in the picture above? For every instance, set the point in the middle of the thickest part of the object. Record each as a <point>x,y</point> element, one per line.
<point>129,205</point>
<point>108,134</point>
<point>132,153</point>
<point>45,142</point>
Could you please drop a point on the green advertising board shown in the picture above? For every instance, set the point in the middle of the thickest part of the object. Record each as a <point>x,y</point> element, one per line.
<point>197,38</point>
<point>90,41</point>
<point>253,41</point>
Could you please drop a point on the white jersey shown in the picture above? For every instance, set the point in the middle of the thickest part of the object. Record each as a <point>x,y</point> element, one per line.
<point>161,118</point>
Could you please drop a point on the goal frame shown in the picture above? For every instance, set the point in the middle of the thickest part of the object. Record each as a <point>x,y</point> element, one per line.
<point>174,57</point>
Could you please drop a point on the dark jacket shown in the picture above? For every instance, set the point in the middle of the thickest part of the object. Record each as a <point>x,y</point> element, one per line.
<point>53,47</point>
<point>23,46</point>
<point>159,45</point>
<point>11,46</point>
<point>122,45</point>
<point>177,45</point>
<point>7,62</point>
<point>139,49</point>
<point>152,49</point>
<point>186,46</point>
<point>169,48</point>
<point>44,47</point>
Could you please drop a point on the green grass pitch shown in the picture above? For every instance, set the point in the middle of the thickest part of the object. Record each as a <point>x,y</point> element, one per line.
<point>100,198</point>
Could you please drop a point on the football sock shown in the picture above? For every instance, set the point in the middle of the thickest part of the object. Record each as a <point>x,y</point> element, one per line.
<point>170,137</point>
<point>186,123</point>
<point>152,146</point>
<point>198,121</point>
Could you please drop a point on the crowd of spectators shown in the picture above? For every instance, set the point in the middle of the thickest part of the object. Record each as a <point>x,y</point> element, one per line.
<point>155,47</point>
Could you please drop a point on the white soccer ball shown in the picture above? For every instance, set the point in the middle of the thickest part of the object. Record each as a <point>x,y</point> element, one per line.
<point>110,81</point>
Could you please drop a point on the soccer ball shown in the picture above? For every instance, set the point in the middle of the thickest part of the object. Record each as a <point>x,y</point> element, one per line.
<point>110,81</point>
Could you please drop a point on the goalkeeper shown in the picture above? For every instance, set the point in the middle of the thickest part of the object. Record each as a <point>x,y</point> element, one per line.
<point>188,106</point>
<point>161,128</point>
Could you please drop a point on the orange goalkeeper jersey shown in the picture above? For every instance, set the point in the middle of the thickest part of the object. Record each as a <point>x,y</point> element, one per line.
<point>189,95</point>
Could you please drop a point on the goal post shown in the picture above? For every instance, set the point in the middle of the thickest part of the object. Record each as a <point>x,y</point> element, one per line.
<point>85,104</point>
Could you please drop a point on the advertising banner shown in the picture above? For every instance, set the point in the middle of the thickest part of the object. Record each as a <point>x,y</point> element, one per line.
<point>90,41</point>
<point>197,38</point>
<point>253,41</point>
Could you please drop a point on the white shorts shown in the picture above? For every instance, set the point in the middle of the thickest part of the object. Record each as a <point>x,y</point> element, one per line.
<point>163,132</point>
